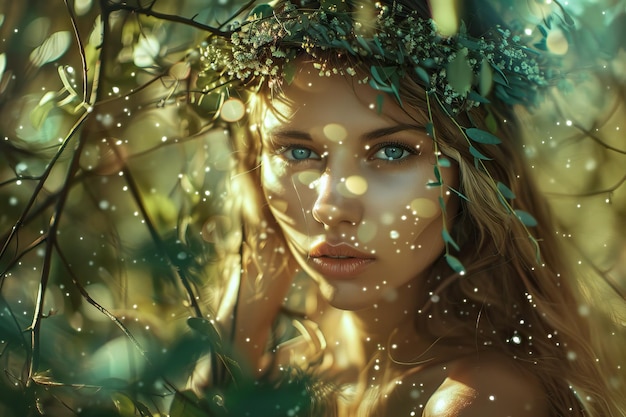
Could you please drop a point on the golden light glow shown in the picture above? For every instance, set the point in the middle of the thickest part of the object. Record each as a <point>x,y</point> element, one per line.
<point>446,15</point>
<point>232,110</point>
<point>424,207</point>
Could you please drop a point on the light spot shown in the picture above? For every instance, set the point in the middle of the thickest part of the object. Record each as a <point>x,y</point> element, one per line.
<point>557,42</point>
<point>394,234</point>
<point>308,178</point>
<point>335,132</point>
<point>366,231</point>
<point>356,184</point>
<point>387,218</point>
<point>232,110</point>
<point>424,207</point>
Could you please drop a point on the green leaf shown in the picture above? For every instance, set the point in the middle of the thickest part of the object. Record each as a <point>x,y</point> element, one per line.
<point>505,191</point>
<point>433,184</point>
<point>380,99</point>
<point>376,86</point>
<point>437,173</point>
<point>482,136</point>
<point>459,73</point>
<point>186,404</point>
<point>377,75</point>
<point>457,192</point>
<point>51,49</point>
<point>476,153</point>
<point>491,123</point>
<point>124,404</point>
<point>423,75</point>
<point>448,239</point>
<point>526,218</point>
<point>289,71</point>
<point>262,11</point>
<point>363,43</point>
<point>455,264</point>
<point>205,328</point>
<point>39,114</point>
<point>537,249</point>
<point>442,204</point>
<point>444,162</point>
<point>430,129</point>
<point>474,96</point>
<point>485,78</point>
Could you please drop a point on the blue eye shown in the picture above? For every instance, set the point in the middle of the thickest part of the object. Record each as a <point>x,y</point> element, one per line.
<point>300,154</point>
<point>392,153</point>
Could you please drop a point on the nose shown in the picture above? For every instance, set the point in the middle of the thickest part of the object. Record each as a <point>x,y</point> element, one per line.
<point>335,204</point>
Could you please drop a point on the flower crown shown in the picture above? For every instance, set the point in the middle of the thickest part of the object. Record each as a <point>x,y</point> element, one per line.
<point>461,71</point>
<point>457,72</point>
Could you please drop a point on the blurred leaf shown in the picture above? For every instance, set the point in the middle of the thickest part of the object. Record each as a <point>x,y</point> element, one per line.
<point>460,194</point>
<point>482,136</point>
<point>124,404</point>
<point>477,154</point>
<point>421,72</point>
<point>526,218</point>
<point>491,123</point>
<point>187,404</point>
<point>289,71</point>
<point>485,81</point>
<point>205,328</point>
<point>437,173</point>
<point>51,49</point>
<point>430,129</point>
<point>39,114</point>
<point>3,63</point>
<point>380,99</point>
<point>473,95</point>
<point>262,11</point>
<point>505,191</point>
<point>459,73</point>
<point>448,239</point>
<point>454,263</point>
<point>364,44</point>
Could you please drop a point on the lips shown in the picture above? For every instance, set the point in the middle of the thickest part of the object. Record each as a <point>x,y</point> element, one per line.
<point>339,261</point>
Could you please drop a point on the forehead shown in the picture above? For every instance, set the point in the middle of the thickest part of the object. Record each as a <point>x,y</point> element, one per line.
<point>313,99</point>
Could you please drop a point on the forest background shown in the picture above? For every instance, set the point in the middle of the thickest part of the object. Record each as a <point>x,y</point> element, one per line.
<point>112,186</point>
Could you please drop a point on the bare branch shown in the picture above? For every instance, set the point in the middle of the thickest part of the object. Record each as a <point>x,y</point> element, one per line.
<point>109,7</point>
<point>136,193</point>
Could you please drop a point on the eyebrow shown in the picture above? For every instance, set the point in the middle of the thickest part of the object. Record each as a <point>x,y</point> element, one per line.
<point>371,135</point>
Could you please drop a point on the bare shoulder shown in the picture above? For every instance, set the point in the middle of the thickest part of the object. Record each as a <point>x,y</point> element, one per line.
<point>488,385</point>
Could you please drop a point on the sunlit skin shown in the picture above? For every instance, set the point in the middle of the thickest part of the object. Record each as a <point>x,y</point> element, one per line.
<point>338,171</point>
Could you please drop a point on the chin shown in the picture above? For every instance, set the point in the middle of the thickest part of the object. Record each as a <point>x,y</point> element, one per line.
<point>350,297</point>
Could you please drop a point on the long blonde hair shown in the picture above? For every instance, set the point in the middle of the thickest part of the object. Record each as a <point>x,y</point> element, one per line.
<point>516,298</point>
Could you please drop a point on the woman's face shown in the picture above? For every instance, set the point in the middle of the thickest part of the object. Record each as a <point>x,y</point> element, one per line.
<point>347,184</point>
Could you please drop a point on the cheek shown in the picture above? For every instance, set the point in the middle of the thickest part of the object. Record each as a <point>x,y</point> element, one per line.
<point>286,192</point>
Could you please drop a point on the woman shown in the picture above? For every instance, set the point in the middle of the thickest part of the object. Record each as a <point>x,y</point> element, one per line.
<point>371,167</point>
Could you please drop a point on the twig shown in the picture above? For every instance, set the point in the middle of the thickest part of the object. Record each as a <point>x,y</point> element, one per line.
<point>109,7</point>
<point>81,49</point>
<point>83,292</point>
<point>55,221</point>
<point>135,192</point>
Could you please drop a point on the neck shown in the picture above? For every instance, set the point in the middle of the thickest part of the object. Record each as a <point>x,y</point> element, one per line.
<point>389,325</point>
